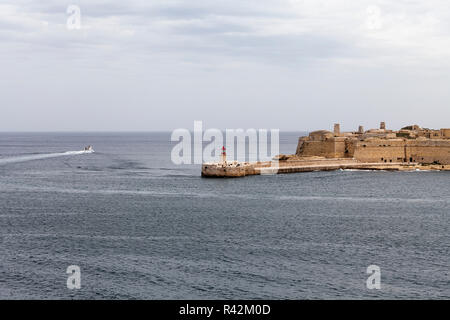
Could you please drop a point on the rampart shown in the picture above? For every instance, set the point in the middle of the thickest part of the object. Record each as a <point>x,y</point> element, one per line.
<point>410,148</point>
<point>410,144</point>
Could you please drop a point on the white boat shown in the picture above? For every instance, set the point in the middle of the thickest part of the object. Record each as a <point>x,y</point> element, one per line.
<point>88,149</point>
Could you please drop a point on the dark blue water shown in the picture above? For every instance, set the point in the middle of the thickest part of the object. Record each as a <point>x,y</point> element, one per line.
<point>141,227</point>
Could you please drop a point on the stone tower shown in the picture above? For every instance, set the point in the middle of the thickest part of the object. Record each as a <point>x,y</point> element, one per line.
<point>383,125</point>
<point>337,129</point>
<point>361,129</point>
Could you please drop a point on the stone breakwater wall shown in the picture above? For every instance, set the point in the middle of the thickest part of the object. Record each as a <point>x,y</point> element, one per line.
<point>232,170</point>
<point>309,165</point>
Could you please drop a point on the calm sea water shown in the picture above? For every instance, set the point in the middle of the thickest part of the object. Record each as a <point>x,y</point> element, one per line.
<point>141,227</point>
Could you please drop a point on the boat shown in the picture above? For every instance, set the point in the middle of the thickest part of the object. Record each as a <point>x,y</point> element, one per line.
<point>88,149</point>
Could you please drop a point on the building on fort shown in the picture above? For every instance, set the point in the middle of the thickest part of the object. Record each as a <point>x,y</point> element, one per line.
<point>411,148</point>
<point>411,144</point>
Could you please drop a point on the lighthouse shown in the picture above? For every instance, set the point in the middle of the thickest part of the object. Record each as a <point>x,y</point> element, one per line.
<point>224,156</point>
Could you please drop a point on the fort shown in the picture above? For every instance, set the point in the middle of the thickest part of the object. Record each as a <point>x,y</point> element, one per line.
<point>408,149</point>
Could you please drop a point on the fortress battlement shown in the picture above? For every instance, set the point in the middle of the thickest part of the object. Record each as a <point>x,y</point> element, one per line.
<point>409,144</point>
<point>407,149</point>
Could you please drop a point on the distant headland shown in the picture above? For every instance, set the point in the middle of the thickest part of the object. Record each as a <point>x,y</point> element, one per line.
<point>408,149</point>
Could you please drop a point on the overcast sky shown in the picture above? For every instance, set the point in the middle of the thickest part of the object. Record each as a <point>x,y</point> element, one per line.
<point>287,64</point>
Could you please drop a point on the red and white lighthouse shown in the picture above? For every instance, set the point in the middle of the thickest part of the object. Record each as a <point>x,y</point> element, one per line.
<point>224,155</point>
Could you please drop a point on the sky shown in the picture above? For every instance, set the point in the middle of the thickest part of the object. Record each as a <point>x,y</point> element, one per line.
<point>284,64</point>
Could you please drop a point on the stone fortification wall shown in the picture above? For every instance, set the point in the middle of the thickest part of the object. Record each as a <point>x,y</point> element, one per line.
<point>421,151</point>
<point>318,148</point>
<point>330,148</point>
<point>379,150</point>
<point>429,151</point>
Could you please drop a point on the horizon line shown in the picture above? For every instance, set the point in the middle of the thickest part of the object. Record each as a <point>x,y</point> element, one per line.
<point>121,131</point>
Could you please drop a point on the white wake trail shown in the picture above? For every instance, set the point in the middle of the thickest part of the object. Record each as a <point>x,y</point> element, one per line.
<point>42,156</point>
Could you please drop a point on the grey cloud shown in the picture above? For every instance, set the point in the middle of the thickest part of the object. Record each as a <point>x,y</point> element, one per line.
<point>142,65</point>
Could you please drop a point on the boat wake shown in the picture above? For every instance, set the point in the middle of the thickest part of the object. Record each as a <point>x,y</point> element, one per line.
<point>42,156</point>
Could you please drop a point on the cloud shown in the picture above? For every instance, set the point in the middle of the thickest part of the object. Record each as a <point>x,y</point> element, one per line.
<point>307,29</point>
<point>172,45</point>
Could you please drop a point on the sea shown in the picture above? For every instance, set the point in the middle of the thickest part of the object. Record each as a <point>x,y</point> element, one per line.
<point>139,226</point>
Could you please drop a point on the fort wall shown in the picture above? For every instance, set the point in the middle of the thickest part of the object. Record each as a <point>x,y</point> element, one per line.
<point>410,148</point>
<point>411,144</point>
<point>319,148</point>
<point>329,148</point>
<point>420,151</point>
<point>379,150</point>
<point>429,151</point>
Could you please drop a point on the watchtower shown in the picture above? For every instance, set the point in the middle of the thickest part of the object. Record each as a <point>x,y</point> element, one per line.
<point>337,129</point>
